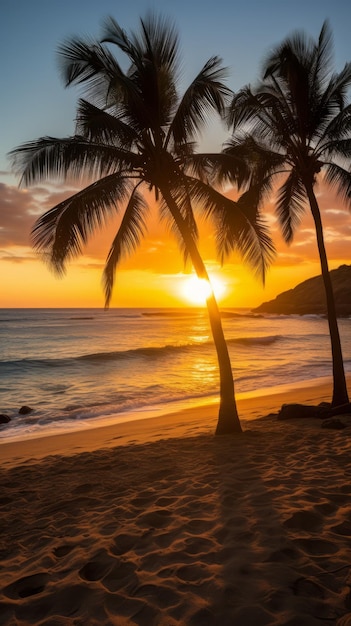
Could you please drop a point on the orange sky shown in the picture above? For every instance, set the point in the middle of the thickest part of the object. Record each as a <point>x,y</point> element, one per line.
<point>155,274</point>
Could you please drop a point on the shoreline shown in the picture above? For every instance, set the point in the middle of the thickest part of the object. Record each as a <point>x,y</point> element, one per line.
<point>198,418</point>
<point>160,522</point>
<point>150,411</point>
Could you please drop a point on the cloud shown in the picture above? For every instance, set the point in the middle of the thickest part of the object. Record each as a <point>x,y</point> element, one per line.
<point>16,218</point>
<point>12,258</point>
<point>303,249</point>
<point>159,250</point>
<point>19,209</point>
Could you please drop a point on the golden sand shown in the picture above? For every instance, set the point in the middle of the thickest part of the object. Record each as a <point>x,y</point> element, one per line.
<point>159,523</point>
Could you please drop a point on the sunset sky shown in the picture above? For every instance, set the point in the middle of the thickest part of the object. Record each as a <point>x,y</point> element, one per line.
<point>34,103</point>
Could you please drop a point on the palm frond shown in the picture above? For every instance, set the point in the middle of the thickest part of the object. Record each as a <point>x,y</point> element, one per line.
<point>99,126</point>
<point>259,159</point>
<point>159,71</point>
<point>244,108</point>
<point>181,195</point>
<point>298,120</point>
<point>206,93</point>
<point>291,204</point>
<point>253,198</point>
<point>330,111</point>
<point>113,33</point>
<point>255,247</point>
<point>60,233</point>
<point>337,150</point>
<point>338,116</point>
<point>300,68</point>
<point>87,61</point>
<point>239,225</point>
<point>157,95</point>
<point>217,168</point>
<point>158,41</point>
<point>238,231</point>
<point>161,41</point>
<point>263,113</point>
<point>322,58</point>
<point>339,178</point>
<point>153,54</point>
<point>49,157</point>
<point>131,230</point>
<point>340,85</point>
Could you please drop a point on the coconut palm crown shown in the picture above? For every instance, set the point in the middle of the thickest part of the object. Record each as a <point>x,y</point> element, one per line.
<point>134,132</point>
<point>291,129</point>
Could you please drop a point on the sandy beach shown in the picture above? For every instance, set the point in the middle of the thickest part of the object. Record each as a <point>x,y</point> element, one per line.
<point>159,523</point>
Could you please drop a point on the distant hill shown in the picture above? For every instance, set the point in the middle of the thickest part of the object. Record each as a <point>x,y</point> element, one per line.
<point>308,297</point>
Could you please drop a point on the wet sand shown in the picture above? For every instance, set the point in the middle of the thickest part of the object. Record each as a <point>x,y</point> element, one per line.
<point>158,522</point>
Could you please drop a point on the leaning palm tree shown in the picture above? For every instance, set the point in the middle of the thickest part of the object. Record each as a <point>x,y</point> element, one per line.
<point>293,126</point>
<point>135,132</point>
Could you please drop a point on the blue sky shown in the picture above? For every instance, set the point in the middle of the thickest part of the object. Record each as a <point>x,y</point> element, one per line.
<point>33,100</point>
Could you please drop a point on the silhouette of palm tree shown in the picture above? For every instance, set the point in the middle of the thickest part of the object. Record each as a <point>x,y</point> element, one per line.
<point>134,131</point>
<point>293,126</point>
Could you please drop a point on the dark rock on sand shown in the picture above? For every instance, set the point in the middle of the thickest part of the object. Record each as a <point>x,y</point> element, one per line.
<point>293,411</point>
<point>24,410</point>
<point>4,419</point>
<point>323,411</point>
<point>333,423</point>
<point>343,409</point>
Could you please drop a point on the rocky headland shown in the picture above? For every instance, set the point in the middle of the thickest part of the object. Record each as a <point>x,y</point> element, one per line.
<point>308,297</point>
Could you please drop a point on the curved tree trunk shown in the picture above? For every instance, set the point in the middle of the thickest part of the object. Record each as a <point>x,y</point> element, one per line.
<point>228,418</point>
<point>340,394</point>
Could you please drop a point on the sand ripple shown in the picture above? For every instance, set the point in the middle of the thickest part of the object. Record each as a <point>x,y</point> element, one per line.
<point>198,531</point>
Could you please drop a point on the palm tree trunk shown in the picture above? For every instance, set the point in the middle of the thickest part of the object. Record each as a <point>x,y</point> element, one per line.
<point>228,418</point>
<point>340,394</point>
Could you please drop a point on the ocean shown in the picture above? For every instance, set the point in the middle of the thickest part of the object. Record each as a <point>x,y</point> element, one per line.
<point>79,367</point>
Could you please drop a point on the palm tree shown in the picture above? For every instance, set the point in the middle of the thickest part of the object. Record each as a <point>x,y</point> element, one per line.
<point>134,131</point>
<point>294,125</point>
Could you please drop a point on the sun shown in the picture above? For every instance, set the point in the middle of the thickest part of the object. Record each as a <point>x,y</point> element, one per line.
<point>197,290</point>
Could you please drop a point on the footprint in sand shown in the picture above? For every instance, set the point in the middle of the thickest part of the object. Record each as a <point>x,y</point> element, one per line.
<point>199,545</point>
<point>306,587</point>
<point>342,529</point>
<point>98,567</point>
<point>345,620</point>
<point>5,500</point>
<point>154,519</point>
<point>161,595</point>
<point>326,508</point>
<point>318,547</point>
<point>283,555</point>
<point>62,551</point>
<point>123,543</point>
<point>121,576</point>
<point>193,572</point>
<point>85,488</point>
<point>198,526</point>
<point>27,586</point>
<point>304,520</point>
